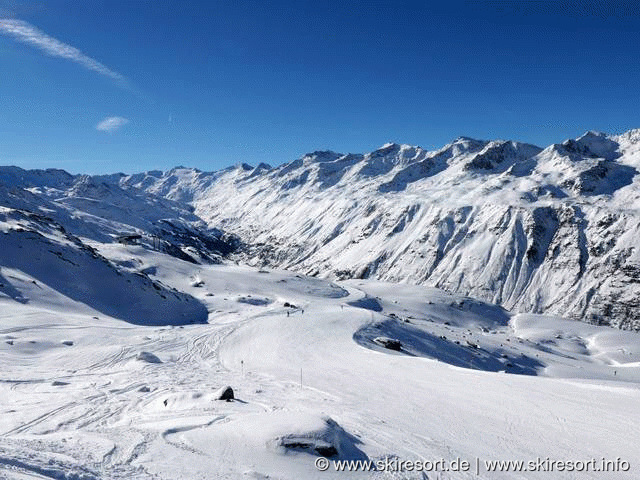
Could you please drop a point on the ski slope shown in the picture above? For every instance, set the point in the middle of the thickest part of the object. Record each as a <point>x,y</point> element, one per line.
<point>88,394</point>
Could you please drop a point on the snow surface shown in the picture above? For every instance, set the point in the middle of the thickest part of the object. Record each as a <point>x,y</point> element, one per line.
<point>124,311</point>
<point>86,395</point>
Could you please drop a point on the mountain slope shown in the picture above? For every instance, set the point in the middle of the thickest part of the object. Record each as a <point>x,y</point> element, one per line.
<point>97,209</point>
<point>41,265</point>
<point>536,230</point>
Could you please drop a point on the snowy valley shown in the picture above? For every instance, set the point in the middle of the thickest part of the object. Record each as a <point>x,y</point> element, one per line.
<point>403,304</point>
<point>548,230</point>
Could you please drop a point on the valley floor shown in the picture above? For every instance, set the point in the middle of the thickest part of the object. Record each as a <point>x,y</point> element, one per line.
<point>87,396</point>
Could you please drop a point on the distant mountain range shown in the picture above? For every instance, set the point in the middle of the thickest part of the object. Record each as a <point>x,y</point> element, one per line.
<point>553,230</point>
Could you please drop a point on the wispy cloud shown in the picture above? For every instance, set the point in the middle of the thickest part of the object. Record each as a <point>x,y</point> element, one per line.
<point>111,124</point>
<point>26,33</point>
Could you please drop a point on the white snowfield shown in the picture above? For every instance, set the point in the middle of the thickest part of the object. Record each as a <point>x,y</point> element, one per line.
<point>86,394</point>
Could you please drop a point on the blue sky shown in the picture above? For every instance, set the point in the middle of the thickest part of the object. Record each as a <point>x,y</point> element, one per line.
<point>106,86</point>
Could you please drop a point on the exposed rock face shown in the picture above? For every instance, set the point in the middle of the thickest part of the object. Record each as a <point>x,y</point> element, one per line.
<point>225,393</point>
<point>148,357</point>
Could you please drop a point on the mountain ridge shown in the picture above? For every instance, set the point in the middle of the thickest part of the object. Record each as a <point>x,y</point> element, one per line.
<point>543,230</point>
<point>534,229</point>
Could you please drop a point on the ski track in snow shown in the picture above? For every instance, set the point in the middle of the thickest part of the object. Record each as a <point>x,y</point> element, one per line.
<point>97,410</point>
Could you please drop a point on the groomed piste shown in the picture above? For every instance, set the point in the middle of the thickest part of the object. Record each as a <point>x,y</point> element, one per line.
<point>91,395</point>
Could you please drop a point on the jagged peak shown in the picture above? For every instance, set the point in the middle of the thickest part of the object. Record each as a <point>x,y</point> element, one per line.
<point>591,144</point>
<point>320,156</point>
<point>497,155</point>
<point>629,142</point>
<point>459,146</point>
<point>116,178</point>
<point>632,135</point>
<point>592,134</point>
<point>89,185</point>
<point>183,169</point>
<point>352,156</point>
<point>465,144</point>
<point>387,157</point>
<point>256,171</point>
<point>386,149</point>
<point>463,139</point>
<point>512,146</point>
<point>398,152</point>
<point>513,143</point>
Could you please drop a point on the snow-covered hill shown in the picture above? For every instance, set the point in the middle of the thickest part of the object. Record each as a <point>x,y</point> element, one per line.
<point>549,230</point>
<point>44,266</point>
<point>97,209</point>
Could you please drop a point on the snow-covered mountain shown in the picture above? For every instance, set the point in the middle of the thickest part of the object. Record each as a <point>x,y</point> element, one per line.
<point>123,328</point>
<point>97,209</point>
<point>537,230</point>
<point>550,230</point>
